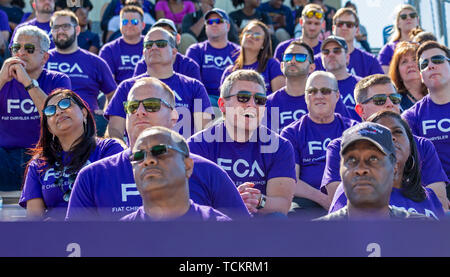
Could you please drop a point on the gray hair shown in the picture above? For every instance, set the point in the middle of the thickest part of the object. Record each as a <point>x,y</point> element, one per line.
<point>170,36</point>
<point>241,75</point>
<point>325,74</point>
<point>33,31</point>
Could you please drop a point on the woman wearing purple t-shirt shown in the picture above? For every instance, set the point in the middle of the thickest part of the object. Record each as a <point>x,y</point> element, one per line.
<point>256,54</point>
<point>406,19</point>
<point>67,143</point>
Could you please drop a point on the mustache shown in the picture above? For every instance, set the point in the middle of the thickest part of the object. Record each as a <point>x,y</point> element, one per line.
<point>359,179</point>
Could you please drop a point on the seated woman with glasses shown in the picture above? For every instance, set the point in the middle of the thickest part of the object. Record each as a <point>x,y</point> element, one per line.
<point>67,143</point>
<point>256,54</point>
<point>405,74</point>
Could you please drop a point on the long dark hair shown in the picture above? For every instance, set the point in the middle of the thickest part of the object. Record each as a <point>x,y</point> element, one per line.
<point>264,54</point>
<point>411,180</point>
<point>48,150</point>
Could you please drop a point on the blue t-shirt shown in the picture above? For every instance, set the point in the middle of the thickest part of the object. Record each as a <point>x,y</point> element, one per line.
<point>87,39</point>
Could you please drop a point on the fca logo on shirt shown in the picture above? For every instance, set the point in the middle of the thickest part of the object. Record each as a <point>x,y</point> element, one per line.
<point>126,59</point>
<point>433,124</point>
<point>229,165</point>
<point>64,67</point>
<point>218,61</point>
<point>318,145</point>
<point>26,105</point>
<point>291,115</point>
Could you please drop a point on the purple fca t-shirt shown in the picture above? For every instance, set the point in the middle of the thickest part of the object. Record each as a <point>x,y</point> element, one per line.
<point>212,62</point>
<point>361,64</point>
<point>272,71</point>
<point>290,108</point>
<point>431,173</point>
<point>195,213</point>
<point>182,65</point>
<point>430,120</point>
<point>40,183</point>
<point>106,189</point>
<point>33,22</point>
<point>265,156</point>
<point>279,51</point>
<point>89,74</point>
<point>20,120</point>
<point>122,57</point>
<point>346,88</point>
<point>190,97</point>
<point>430,207</point>
<point>386,53</point>
<point>310,140</point>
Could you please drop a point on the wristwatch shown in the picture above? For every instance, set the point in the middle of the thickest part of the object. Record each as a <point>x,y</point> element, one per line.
<point>34,84</point>
<point>262,202</point>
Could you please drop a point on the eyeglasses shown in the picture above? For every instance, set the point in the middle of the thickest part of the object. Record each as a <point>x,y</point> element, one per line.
<point>245,96</point>
<point>214,20</point>
<point>405,16</point>
<point>160,43</point>
<point>324,91</point>
<point>254,35</point>
<point>310,14</point>
<point>349,24</point>
<point>299,57</point>
<point>62,104</point>
<point>133,21</point>
<point>336,51</point>
<point>438,59</point>
<point>150,105</point>
<point>65,27</point>
<point>156,151</point>
<point>380,99</point>
<point>27,46</point>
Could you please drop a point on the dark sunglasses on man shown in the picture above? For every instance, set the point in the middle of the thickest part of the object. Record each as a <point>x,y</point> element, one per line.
<point>324,91</point>
<point>62,104</point>
<point>336,51</point>
<point>349,24</point>
<point>299,57</point>
<point>160,43</point>
<point>214,20</point>
<point>437,59</point>
<point>245,96</point>
<point>150,105</point>
<point>380,99</point>
<point>29,47</point>
<point>156,151</point>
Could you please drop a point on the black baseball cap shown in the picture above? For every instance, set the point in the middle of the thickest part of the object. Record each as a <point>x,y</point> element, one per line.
<point>338,40</point>
<point>219,12</point>
<point>375,133</point>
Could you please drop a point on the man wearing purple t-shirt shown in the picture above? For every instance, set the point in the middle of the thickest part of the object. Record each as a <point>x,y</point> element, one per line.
<point>24,86</point>
<point>162,168</point>
<point>259,161</point>
<point>310,135</point>
<point>430,117</point>
<point>192,101</point>
<point>89,73</point>
<point>381,88</point>
<point>312,22</point>
<point>335,57</point>
<point>361,63</point>
<point>43,10</point>
<point>123,53</point>
<point>106,189</point>
<point>216,53</point>
<point>182,64</point>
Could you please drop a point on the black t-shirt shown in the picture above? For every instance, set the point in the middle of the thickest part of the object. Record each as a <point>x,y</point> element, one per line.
<point>241,19</point>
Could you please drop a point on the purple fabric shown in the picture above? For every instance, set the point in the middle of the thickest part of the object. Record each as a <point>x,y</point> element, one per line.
<point>187,92</point>
<point>183,65</point>
<point>97,195</point>
<point>386,53</point>
<point>122,57</point>
<point>89,74</point>
<point>272,71</point>
<point>195,213</point>
<point>20,121</point>
<point>252,161</point>
<point>41,184</point>
<point>432,121</point>
<point>310,140</point>
<point>430,207</point>
<point>361,63</point>
<point>279,51</point>
<point>346,88</point>
<point>291,108</point>
<point>4,24</point>
<point>213,62</point>
<point>33,22</point>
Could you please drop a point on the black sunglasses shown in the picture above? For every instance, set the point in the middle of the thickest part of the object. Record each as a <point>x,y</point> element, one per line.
<point>336,50</point>
<point>411,15</point>
<point>438,59</point>
<point>160,43</point>
<point>245,96</point>
<point>380,99</point>
<point>299,57</point>
<point>156,151</point>
<point>214,20</point>
<point>150,105</point>
<point>62,104</point>
<point>324,91</point>
<point>349,24</point>
<point>29,47</point>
